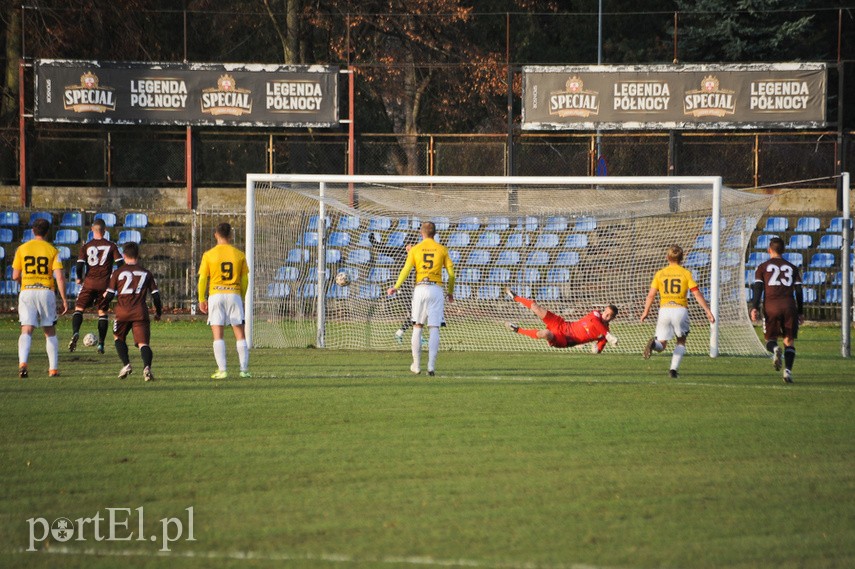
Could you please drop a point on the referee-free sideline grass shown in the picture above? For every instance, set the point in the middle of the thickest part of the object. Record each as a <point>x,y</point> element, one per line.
<point>346,459</point>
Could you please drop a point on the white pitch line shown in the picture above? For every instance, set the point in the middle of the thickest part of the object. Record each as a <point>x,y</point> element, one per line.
<point>325,557</point>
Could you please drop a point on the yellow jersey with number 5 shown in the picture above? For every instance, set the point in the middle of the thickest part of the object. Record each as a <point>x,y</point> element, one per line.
<point>37,260</point>
<point>428,258</point>
<point>673,283</point>
<point>226,267</point>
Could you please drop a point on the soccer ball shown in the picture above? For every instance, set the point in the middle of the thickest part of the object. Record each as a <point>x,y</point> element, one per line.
<point>90,339</point>
<point>342,279</point>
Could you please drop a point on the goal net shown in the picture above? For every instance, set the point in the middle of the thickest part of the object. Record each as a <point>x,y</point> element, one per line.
<point>573,244</point>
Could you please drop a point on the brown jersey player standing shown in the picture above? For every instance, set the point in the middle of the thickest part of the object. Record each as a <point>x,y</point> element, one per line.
<point>94,265</point>
<point>130,284</point>
<point>779,284</point>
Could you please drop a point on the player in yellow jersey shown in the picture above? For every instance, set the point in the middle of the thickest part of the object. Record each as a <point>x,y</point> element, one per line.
<point>673,283</point>
<point>428,258</point>
<point>223,280</point>
<point>38,268</point>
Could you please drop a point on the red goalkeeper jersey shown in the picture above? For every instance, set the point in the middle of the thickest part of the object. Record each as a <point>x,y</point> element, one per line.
<point>587,329</point>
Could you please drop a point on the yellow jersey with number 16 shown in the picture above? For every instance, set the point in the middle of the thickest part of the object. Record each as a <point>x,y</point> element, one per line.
<point>673,283</point>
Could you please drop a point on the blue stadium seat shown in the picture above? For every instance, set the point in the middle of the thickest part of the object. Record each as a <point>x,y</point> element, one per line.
<point>379,275</point>
<point>338,239</point>
<point>489,239</point>
<point>297,256</point>
<point>396,239</point>
<point>358,256</point>
<point>567,258</point>
<point>537,258</point>
<point>517,240</point>
<point>287,274</point>
<point>5,235</point>
<point>454,255</point>
<point>833,296</point>
<point>10,288</point>
<point>469,223</point>
<point>10,219</point>
<point>830,242</point>
<point>71,219</point>
<point>576,241</point>
<point>821,261</point>
<point>814,278</point>
<point>462,291</point>
<point>365,241</point>
<point>836,225</point>
<point>498,275</point>
<point>697,259</point>
<point>458,239</point>
<point>72,289</point>
<point>546,241</point>
<point>9,270</point>
<point>749,294</point>
<point>370,292</point>
<point>528,223</point>
<point>508,258</point>
<point>308,290</point>
<point>489,292</point>
<point>807,225</point>
<point>332,256</point>
<point>129,235</point>
<point>549,293</point>
<point>2,253</point>
<point>313,222</point>
<point>707,228</point>
<point>724,276</point>
<point>468,275</point>
<point>136,221</point>
<point>64,253</point>
<point>555,223</point>
<point>379,224</point>
<point>478,257</point>
<point>763,241</point>
<point>794,257</point>
<point>27,235</point>
<point>558,275</point>
<point>313,274</point>
<point>733,242</point>
<point>529,275</point>
<point>838,278</point>
<point>41,215</point>
<point>91,235</point>
<point>348,223</point>
<point>800,241</point>
<point>310,239</point>
<point>756,258</point>
<point>108,218</point>
<point>66,237</point>
<point>809,295</point>
<point>407,224</point>
<point>703,241</point>
<point>278,290</point>
<point>730,259</point>
<point>441,223</point>
<point>776,224</point>
<point>498,223</point>
<point>585,224</point>
<point>336,291</point>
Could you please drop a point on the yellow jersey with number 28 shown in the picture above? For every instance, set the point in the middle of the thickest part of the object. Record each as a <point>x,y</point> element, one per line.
<point>37,260</point>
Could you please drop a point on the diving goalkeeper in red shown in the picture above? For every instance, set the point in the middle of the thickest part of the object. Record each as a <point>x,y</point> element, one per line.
<point>594,327</point>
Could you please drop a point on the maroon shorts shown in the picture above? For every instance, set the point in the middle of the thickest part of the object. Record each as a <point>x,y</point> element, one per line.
<point>141,330</point>
<point>782,319</point>
<point>91,297</point>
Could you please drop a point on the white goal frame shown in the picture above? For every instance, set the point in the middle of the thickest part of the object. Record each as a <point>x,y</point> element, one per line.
<point>712,182</point>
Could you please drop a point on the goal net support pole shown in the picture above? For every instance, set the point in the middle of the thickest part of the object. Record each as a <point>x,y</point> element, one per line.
<point>302,229</point>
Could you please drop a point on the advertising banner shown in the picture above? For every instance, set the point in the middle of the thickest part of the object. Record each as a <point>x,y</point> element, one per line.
<point>738,96</point>
<point>186,94</point>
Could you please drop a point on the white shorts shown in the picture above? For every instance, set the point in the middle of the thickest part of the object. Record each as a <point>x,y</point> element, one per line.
<point>428,304</point>
<point>37,307</point>
<point>673,322</point>
<point>225,310</point>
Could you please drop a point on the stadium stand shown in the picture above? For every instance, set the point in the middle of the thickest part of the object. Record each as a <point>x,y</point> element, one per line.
<point>809,295</point>
<point>833,296</point>
<point>830,241</point>
<point>348,223</point>
<point>546,241</point>
<point>836,225</point>
<point>458,239</point>
<point>807,225</point>
<point>27,235</point>
<point>313,223</point>
<point>108,218</point>
<point>555,223</point>
<point>498,224</point>
<point>528,223</point>
<point>776,224</point>
<point>697,259</point>
<point>567,258</point>
<point>755,258</point>
<point>821,261</point>
<point>585,224</point>
<point>814,278</point>
<point>9,219</point>
<point>576,241</point>
<point>90,235</point>
<point>488,239</point>
<point>41,215</point>
<point>441,223</point>
<point>517,240</point>
<point>66,237</point>
<point>800,241</point>
<point>128,235</point>
<point>762,242</point>
<point>380,224</point>
<point>498,275</point>
<point>469,224</point>
<point>71,219</point>
<point>795,258</point>
<point>6,235</point>
<point>508,258</point>
<point>537,258</point>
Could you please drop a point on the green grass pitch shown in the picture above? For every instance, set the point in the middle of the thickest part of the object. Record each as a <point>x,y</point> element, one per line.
<point>345,459</point>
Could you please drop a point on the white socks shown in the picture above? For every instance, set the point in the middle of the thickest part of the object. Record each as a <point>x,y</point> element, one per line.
<point>677,356</point>
<point>24,343</point>
<point>416,345</point>
<point>433,347</point>
<point>243,354</point>
<point>220,354</point>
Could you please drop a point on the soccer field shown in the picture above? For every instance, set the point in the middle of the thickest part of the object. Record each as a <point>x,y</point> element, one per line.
<point>345,459</point>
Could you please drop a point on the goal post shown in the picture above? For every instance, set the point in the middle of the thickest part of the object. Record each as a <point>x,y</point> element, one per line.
<point>572,243</point>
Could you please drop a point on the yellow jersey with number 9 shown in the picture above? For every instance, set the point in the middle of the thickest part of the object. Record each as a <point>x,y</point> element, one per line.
<point>226,266</point>
<point>37,260</point>
<point>673,283</point>
<point>428,258</point>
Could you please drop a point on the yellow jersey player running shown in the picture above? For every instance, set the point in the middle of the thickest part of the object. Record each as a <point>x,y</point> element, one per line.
<point>428,258</point>
<point>673,283</point>
<point>38,268</point>
<point>223,280</point>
